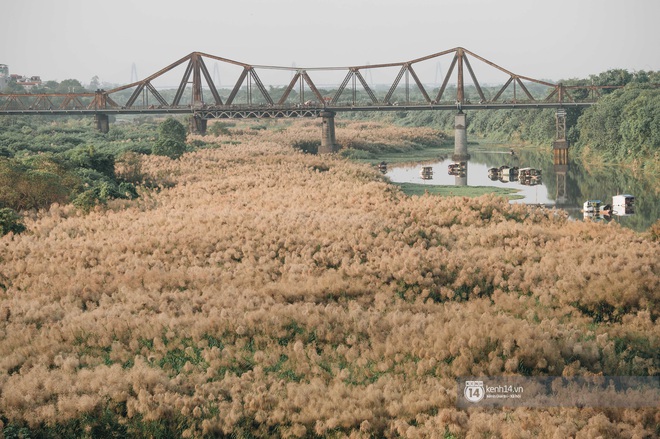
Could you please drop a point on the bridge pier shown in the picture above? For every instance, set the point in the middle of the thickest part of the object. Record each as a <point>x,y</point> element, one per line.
<point>328,140</point>
<point>461,178</point>
<point>102,122</point>
<point>460,138</point>
<point>198,125</point>
<point>560,156</point>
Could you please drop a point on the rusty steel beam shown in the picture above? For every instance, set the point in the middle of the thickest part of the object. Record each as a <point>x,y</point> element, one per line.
<point>237,86</point>
<point>341,88</point>
<point>395,84</point>
<point>492,64</point>
<point>43,100</point>
<point>366,87</point>
<point>69,99</point>
<point>567,93</point>
<point>555,90</point>
<point>183,84</point>
<point>435,55</point>
<point>419,84</point>
<point>157,95</point>
<point>289,88</point>
<point>474,78</point>
<point>261,87</point>
<point>154,76</point>
<point>460,90</point>
<point>499,93</point>
<point>209,82</point>
<point>529,95</point>
<point>133,97</point>
<point>446,80</point>
<point>197,97</point>
<point>312,86</point>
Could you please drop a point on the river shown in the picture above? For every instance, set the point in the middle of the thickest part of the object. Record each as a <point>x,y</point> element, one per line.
<point>567,189</point>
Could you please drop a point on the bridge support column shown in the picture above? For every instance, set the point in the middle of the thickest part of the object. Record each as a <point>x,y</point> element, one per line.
<point>328,140</point>
<point>560,156</point>
<point>460,138</point>
<point>102,122</point>
<point>198,125</point>
<point>461,178</point>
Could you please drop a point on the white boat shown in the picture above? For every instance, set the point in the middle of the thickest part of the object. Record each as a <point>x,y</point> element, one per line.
<point>623,205</point>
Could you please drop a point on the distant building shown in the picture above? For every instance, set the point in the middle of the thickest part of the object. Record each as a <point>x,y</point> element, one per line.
<point>4,75</point>
<point>27,82</point>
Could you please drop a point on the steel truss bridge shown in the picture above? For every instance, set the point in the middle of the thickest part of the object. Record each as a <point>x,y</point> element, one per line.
<point>308,94</point>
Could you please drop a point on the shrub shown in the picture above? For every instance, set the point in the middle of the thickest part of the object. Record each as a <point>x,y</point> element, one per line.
<point>10,222</point>
<point>171,139</point>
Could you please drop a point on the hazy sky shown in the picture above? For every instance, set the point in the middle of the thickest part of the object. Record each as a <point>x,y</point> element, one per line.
<point>553,39</point>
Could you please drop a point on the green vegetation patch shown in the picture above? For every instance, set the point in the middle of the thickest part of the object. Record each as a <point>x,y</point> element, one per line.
<point>457,191</point>
<point>414,156</point>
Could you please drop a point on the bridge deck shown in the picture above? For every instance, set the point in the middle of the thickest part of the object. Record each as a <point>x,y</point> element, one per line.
<point>278,111</point>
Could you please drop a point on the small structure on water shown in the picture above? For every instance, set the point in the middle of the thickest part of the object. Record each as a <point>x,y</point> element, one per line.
<point>507,174</point>
<point>623,205</point>
<point>591,206</point>
<point>457,168</point>
<point>529,176</point>
<point>426,172</point>
<point>596,210</point>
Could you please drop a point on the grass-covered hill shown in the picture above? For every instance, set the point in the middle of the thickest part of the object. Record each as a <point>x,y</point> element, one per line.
<point>262,292</point>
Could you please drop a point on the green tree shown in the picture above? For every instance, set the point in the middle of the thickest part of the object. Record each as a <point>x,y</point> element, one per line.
<point>10,222</point>
<point>94,84</point>
<point>639,129</point>
<point>623,125</point>
<point>90,158</point>
<point>171,140</point>
<point>70,86</point>
<point>13,87</point>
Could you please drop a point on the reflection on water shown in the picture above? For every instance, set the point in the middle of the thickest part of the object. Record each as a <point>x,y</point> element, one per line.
<point>475,172</point>
<point>566,187</point>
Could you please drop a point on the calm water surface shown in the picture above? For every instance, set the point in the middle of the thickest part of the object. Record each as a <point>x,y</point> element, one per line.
<point>564,188</point>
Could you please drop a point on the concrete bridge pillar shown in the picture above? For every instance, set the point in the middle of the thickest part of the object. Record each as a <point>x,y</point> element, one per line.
<point>460,138</point>
<point>461,178</point>
<point>102,122</point>
<point>328,140</point>
<point>198,125</point>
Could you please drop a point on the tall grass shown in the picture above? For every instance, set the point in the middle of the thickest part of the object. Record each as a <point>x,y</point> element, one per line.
<point>266,292</point>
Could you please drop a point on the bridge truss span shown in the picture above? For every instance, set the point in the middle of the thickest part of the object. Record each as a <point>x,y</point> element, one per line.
<point>257,91</point>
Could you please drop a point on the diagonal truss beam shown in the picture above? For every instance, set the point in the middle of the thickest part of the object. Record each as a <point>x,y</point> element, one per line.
<point>209,82</point>
<point>341,88</point>
<point>183,84</point>
<point>312,86</point>
<point>474,79</point>
<point>446,80</point>
<point>419,84</point>
<point>366,87</point>
<point>289,88</point>
<point>237,86</point>
<point>260,86</point>
<point>395,84</point>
